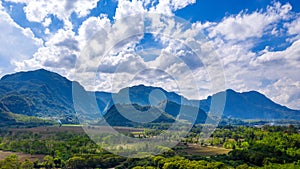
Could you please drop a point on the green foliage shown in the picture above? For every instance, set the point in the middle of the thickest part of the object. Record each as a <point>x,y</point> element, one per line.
<point>295,165</point>
<point>182,163</point>
<point>48,162</point>
<point>258,147</point>
<point>27,164</point>
<point>76,162</point>
<point>10,162</point>
<point>139,167</point>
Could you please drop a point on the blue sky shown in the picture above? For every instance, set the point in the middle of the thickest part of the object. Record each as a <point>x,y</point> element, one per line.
<point>255,42</point>
<point>215,10</point>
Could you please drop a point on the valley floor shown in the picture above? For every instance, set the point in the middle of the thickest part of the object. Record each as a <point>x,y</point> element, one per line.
<point>229,147</point>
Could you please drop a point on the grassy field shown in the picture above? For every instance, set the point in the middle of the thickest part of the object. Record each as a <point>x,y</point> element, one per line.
<point>195,149</point>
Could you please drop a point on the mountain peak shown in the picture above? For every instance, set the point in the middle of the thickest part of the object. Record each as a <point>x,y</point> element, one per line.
<point>39,76</point>
<point>41,70</point>
<point>28,75</point>
<point>143,86</point>
<point>230,90</point>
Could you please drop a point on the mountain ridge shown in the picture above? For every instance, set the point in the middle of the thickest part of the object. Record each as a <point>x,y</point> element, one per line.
<point>43,93</point>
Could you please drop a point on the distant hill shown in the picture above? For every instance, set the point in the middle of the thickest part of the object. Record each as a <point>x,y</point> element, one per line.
<point>167,113</point>
<point>42,93</point>
<point>252,105</point>
<point>114,118</point>
<point>245,105</point>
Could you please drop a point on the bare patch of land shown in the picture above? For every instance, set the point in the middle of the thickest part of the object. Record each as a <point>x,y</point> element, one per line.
<point>77,129</point>
<point>22,156</point>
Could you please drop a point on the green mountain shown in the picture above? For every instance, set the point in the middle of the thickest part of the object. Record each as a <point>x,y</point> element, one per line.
<point>39,93</point>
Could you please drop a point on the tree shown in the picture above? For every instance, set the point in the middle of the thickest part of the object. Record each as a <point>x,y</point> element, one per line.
<point>27,164</point>
<point>10,162</point>
<point>76,162</point>
<point>48,162</point>
<point>244,166</point>
<point>58,162</point>
<point>171,165</point>
<point>245,145</point>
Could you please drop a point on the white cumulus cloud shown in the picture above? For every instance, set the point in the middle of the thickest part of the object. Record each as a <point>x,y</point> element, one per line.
<point>38,10</point>
<point>16,43</point>
<point>254,25</point>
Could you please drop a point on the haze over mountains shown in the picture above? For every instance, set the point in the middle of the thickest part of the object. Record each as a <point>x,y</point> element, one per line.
<point>42,93</point>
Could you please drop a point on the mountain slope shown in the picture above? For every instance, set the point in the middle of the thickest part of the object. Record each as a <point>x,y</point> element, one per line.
<point>11,119</point>
<point>184,112</point>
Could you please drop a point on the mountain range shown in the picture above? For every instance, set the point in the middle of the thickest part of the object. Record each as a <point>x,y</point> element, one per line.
<point>46,94</point>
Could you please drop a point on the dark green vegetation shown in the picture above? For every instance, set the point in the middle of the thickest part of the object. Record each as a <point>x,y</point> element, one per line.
<point>69,147</point>
<point>16,120</point>
<point>46,94</point>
